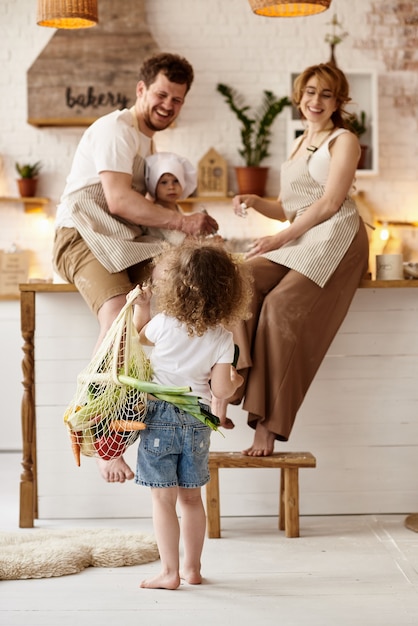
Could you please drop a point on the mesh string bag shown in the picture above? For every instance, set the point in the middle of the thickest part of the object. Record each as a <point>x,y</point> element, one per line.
<point>106,416</point>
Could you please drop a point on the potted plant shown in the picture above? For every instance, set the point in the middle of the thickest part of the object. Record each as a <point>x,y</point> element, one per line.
<point>356,122</point>
<point>255,136</point>
<point>28,180</point>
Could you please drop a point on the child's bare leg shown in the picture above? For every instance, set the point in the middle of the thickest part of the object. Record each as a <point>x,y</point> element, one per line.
<point>167,533</point>
<point>193,527</point>
<point>115,470</point>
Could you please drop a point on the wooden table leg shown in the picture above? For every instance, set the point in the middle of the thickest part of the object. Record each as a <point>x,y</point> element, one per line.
<point>212,505</point>
<point>28,481</point>
<point>291,492</point>
<point>282,503</point>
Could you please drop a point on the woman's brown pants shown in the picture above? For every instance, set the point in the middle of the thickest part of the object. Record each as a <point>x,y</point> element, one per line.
<point>292,326</point>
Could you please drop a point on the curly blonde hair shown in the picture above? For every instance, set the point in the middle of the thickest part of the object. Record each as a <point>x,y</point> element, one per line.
<point>203,285</point>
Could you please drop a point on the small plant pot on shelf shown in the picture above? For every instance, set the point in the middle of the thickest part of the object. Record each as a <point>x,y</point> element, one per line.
<point>28,180</point>
<point>252,180</point>
<point>27,187</point>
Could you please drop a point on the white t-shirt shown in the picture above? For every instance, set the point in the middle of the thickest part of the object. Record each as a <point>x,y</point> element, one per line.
<point>111,143</point>
<point>179,360</point>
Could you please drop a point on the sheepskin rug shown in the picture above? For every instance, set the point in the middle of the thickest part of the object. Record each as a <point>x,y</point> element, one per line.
<point>45,553</point>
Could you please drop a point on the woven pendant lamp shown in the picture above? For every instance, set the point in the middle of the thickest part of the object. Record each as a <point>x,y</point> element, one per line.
<point>288,8</point>
<point>67,13</point>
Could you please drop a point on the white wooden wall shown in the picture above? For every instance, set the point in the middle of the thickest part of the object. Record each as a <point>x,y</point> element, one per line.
<point>360,419</point>
<point>11,376</point>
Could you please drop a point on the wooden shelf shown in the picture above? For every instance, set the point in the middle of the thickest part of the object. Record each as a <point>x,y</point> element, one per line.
<point>60,121</point>
<point>187,203</point>
<point>9,297</point>
<point>30,204</point>
<point>203,199</point>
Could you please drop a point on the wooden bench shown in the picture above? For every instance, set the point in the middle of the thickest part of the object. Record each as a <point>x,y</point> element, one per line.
<point>288,463</point>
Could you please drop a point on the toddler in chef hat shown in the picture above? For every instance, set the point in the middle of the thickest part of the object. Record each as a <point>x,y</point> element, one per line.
<point>169,178</point>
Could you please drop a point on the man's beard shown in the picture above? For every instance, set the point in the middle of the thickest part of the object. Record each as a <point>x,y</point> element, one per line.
<point>151,126</point>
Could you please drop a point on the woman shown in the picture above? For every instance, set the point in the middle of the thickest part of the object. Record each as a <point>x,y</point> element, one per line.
<point>306,275</point>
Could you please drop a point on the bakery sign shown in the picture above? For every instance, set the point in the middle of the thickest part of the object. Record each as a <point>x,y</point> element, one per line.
<point>83,74</point>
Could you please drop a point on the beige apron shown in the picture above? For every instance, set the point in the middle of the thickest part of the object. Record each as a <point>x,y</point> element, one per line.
<point>115,242</point>
<point>317,253</point>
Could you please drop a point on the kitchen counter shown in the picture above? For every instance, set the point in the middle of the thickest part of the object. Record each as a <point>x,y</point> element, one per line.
<point>45,287</point>
<point>28,297</point>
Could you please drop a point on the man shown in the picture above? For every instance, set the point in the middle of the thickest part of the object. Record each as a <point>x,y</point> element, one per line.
<point>99,243</point>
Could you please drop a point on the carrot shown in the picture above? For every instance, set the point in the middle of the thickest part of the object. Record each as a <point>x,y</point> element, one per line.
<point>75,446</point>
<point>121,426</point>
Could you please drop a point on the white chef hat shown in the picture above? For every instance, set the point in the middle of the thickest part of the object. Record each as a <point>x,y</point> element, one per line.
<point>169,163</point>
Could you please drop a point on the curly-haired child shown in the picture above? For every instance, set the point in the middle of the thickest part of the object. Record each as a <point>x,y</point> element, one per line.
<point>197,289</point>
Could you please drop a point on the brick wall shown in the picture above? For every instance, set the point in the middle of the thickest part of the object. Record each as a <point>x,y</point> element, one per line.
<point>225,43</point>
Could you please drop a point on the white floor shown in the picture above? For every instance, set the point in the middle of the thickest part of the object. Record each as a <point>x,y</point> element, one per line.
<point>343,570</point>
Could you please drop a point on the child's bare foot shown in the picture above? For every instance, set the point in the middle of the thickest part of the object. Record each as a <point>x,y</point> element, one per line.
<point>115,470</point>
<point>193,577</point>
<point>225,422</point>
<point>263,444</point>
<point>162,581</point>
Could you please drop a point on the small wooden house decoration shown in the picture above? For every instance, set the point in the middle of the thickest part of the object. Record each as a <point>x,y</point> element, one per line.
<point>212,176</point>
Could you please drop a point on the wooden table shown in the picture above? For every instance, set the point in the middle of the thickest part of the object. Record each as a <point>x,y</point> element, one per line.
<point>28,481</point>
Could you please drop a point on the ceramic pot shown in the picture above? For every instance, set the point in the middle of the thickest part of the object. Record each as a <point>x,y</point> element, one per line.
<point>27,187</point>
<point>252,180</point>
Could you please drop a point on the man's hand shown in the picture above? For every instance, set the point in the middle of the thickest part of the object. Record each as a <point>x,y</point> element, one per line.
<point>198,224</point>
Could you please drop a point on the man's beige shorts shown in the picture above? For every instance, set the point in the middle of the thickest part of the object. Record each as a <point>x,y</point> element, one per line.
<point>75,263</point>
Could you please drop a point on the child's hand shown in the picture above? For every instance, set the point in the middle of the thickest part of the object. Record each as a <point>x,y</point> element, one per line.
<point>144,296</point>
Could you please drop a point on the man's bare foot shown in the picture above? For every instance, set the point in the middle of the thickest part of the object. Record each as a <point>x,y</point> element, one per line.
<point>263,444</point>
<point>225,422</point>
<point>115,470</point>
<point>162,581</point>
<point>192,577</point>
<point>218,407</point>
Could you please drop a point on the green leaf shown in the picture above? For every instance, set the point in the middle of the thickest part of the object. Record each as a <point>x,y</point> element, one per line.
<point>256,130</point>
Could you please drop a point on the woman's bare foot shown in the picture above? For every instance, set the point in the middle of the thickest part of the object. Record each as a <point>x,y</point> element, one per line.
<point>162,581</point>
<point>115,470</point>
<point>263,444</point>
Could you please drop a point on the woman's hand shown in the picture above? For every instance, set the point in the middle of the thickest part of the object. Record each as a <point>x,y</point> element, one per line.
<point>270,208</point>
<point>264,244</point>
<point>243,202</point>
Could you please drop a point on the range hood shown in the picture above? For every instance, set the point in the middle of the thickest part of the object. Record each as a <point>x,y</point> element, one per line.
<point>83,74</point>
